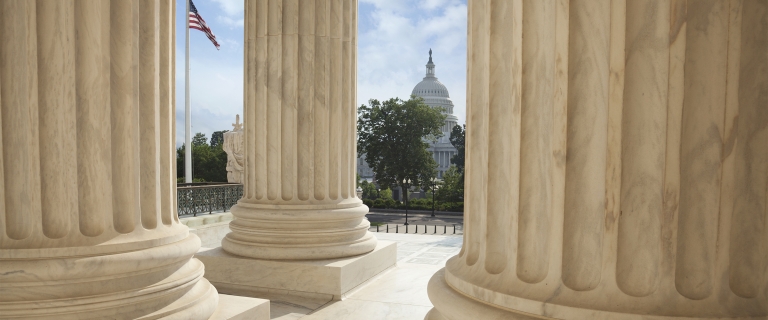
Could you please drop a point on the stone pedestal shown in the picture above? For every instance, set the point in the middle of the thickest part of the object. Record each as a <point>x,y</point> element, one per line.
<point>241,308</point>
<point>299,197</point>
<point>617,165</point>
<point>326,279</point>
<point>88,225</point>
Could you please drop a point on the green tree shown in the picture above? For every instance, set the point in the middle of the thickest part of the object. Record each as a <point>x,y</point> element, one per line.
<point>217,138</point>
<point>198,140</point>
<point>385,194</point>
<point>392,134</point>
<point>209,163</point>
<point>369,190</point>
<point>457,140</point>
<point>452,187</point>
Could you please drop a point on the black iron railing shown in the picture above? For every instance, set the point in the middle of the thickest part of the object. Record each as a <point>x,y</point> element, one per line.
<point>194,198</point>
<point>422,229</point>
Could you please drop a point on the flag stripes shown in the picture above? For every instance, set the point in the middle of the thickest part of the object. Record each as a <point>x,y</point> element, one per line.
<point>196,22</point>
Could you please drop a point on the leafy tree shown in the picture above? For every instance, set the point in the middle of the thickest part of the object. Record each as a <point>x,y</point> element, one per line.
<point>209,163</point>
<point>385,194</point>
<point>217,138</point>
<point>369,190</point>
<point>452,187</point>
<point>198,140</point>
<point>457,140</point>
<point>393,134</point>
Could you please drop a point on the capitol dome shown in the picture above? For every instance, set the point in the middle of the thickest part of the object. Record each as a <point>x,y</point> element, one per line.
<point>434,92</point>
<point>431,87</point>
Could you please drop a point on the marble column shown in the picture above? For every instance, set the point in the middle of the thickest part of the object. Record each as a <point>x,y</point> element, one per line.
<point>88,225</point>
<point>617,162</point>
<point>299,197</point>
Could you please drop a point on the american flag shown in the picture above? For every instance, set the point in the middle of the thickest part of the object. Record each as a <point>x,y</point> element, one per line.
<point>197,22</point>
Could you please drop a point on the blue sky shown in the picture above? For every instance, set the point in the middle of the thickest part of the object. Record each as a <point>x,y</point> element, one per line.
<point>394,39</point>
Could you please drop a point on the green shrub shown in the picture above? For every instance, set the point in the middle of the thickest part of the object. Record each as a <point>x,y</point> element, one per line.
<point>452,206</point>
<point>385,194</point>
<point>368,202</point>
<point>379,203</point>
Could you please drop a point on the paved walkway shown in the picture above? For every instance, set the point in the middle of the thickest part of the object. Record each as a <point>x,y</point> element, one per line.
<point>395,294</point>
<point>400,292</point>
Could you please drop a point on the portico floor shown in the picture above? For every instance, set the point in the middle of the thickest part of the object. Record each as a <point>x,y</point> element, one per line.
<point>398,293</point>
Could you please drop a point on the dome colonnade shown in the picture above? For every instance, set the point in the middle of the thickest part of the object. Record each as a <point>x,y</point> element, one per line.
<point>616,162</point>
<point>88,224</point>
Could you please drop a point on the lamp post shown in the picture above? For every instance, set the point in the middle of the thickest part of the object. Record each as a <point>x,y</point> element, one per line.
<point>406,183</point>
<point>434,186</point>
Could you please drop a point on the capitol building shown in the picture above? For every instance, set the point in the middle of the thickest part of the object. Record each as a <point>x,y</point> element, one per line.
<point>435,95</point>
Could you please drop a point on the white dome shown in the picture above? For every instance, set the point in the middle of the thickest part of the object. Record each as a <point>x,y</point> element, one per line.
<point>434,92</point>
<point>430,87</point>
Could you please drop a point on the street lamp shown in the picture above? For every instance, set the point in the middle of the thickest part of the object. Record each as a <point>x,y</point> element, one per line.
<point>406,183</point>
<point>434,186</point>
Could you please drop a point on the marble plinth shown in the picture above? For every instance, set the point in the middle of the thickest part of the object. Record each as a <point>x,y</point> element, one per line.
<point>330,278</point>
<point>241,308</point>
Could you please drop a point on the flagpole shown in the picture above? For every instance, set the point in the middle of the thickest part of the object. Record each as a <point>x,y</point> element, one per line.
<point>187,115</point>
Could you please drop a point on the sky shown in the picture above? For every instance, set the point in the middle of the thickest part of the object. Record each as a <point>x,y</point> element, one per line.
<point>394,38</point>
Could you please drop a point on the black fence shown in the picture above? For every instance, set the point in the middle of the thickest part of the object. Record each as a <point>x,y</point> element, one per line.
<point>195,198</point>
<point>420,229</point>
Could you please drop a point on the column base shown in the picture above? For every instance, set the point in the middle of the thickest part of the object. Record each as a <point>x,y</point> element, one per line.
<point>328,278</point>
<point>452,305</point>
<point>299,232</point>
<point>162,282</point>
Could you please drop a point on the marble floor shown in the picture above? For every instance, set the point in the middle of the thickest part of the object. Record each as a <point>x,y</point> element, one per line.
<point>398,293</point>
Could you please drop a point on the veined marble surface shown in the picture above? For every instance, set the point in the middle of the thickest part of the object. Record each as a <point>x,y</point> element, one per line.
<point>401,292</point>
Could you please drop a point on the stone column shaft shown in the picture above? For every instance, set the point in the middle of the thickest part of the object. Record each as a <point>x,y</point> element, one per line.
<point>300,134</point>
<point>88,224</point>
<point>613,163</point>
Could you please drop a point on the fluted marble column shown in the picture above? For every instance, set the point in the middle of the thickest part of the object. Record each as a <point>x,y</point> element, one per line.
<point>88,227</point>
<point>617,162</point>
<point>300,125</point>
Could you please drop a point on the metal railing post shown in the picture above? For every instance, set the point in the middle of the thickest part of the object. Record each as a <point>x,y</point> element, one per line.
<point>194,199</point>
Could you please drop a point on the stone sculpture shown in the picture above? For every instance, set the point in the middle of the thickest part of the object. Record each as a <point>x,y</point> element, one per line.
<point>233,146</point>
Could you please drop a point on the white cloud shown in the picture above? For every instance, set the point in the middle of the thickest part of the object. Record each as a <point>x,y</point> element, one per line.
<point>216,91</point>
<point>394,37</point>
<point>232,22</point>
<point>393,49</point>
<point>231,7</point>
<point>233,13</point>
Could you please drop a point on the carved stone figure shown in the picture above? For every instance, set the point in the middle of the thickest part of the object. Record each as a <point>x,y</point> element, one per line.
<point>233,146</point>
